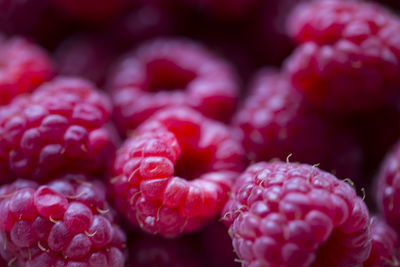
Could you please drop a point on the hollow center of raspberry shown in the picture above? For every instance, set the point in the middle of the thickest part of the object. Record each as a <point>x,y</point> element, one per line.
<point>165,75</point>
<point>192,164</point>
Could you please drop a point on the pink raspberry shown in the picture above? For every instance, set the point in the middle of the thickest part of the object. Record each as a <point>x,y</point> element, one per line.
<point>152,251</point>
<point>64,223</point>
<point>388,188</point>
<point>166,73</point>
<point>348,58</point>
<point>87,56</point>
<point>61,127</point>
<point>23,67</point>
<point>385,245</point>
<point>272,124</point>
<point>174,174</point>
<point>288,214</point>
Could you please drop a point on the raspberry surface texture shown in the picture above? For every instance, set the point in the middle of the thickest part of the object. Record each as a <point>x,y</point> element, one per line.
<point>174,174</point>
<point>171,72</point>
<point>64,223</point>
<point>348,58</point>
<point>275,122</point>
<point>151,251</point>
<point>60,127</point>
<point>385,245</point>
<point>23,67</point>
<point>288,214</point>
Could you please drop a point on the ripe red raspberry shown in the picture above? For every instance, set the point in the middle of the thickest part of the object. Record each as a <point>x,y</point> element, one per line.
<point>288,214</point>
<point>348,60</point>
<point>152,251</point>
<point>388,190</point>
<point>60,127</point>
<point>87,56</point>
<point>168,73</point>
<point>272,124</point>
<point>385,245</point>
<point>23,67</point>
<point>65,223</point>
<point>174,174</point>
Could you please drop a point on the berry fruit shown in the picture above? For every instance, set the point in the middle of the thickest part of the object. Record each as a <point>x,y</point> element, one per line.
<point>272,124</point>
<point>175,173</point>
<point>166,73</point>
<point>348,58</point>
<point>23,67</point>
<point>288,214</point>
<point>60,127</point>
<point>64,223</point>
<point>385,245</point>
<point>388,190</point>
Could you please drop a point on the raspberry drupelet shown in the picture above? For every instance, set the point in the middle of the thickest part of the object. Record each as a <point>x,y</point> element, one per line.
<point>61,127</point>
<point>64,223</point>
<point>23,67</point>
<point>348,58</point>
<point>385,245</point>
<point>275,122</point>
<point>171,72</point>
<point>174,174</point>
<point>288,214</point>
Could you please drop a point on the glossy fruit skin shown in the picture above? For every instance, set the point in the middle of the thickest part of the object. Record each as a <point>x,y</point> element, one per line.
<point>289,214</point>
<point>174,174</point>
<point>172,72</point>
<point>23,67</point>
<point>63,223</point>
<point>62,126</point>
<point>348,56</point>
<point>275,122</point>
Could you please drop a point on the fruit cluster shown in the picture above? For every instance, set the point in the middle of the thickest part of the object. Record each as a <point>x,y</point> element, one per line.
<point>199,133</point>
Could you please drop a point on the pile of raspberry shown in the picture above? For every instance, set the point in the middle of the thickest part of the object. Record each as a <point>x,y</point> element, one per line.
<point>200,133</point>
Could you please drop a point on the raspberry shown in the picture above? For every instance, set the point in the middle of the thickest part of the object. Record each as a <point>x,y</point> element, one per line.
<point>387,193</point>
<point>64,223</point>
<point>348,60</point>
<point>174,174</point>
<point>288,214</point>
<point>168,73</point>
<point>60,127</point>
<point>151,251</point>
<point>87,56</point>
<point>385,245</point>
<point>272,122</point>
<point>23,67</point>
